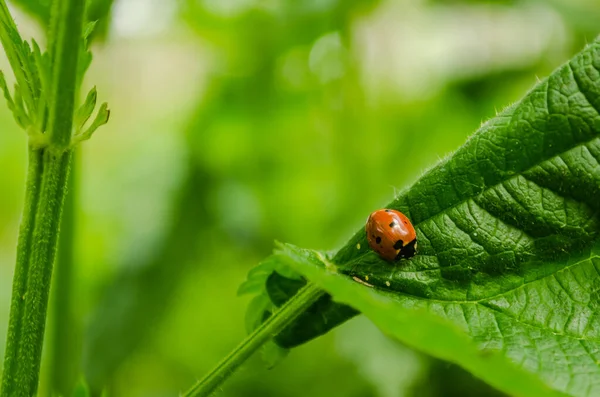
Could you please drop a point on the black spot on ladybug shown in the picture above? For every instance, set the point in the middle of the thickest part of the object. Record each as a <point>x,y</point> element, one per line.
<point>378,240</point>
<point>392,224</point>
<point>398,245</point>
<point>387,210</point>
<point>408,251</point>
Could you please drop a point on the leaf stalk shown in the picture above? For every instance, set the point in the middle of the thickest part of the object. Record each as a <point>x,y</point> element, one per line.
<point>279,320</point>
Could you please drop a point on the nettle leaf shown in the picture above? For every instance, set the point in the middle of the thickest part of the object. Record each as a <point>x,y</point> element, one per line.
<point>83,114</point>
<point>415,324</point>
<point>85,111</point>
<point>85,55</point>
<point>101,118</point>
<point>42,66</point>
<point>506,282</point>
<point>19,108</point>
<point>16,109</point>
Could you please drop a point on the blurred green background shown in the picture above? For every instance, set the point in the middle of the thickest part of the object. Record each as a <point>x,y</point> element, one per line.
<point>238,122</point>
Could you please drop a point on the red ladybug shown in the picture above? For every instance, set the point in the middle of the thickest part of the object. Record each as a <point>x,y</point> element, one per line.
<point>391,235</point>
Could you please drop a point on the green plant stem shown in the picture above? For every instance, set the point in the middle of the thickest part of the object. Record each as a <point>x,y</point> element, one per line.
<point>24,246</point>
<point>65,57</point>
<point>36,251</point>
<point>64,330</point>
<point>271,327</point>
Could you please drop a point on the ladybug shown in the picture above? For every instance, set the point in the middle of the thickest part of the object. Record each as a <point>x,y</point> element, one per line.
<point>391,235</point>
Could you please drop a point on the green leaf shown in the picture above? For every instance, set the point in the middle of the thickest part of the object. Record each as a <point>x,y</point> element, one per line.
<point>42,66</point>
<point>6,91</point>
<point>85,111</point>
<point>100,11</point>
<point>257,276</point>
<point>20,118</point>
<point>101,119</point>
<point>85,55</point>
<point>19,108</point>
<point>19,56</point>
<point>507,272</point>
<point>418,326</point>
<point>274,283</point>
<point>88,29</point>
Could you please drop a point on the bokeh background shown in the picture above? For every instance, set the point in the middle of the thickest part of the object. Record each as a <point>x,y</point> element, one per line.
<point>239,122</point>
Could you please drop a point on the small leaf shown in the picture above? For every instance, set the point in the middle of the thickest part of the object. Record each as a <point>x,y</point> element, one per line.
<point>265,301</point>
<point>32,79</point>
<point>262,306</point>
<point>258,308</point>
<point>85,56</point>
<point>85,111</point>
<point>29,60</point>
<point>9,101</point>
<point>19,110</point>
<point>258,275</point>
<point>6,91</point>
<point>88,29</point>
<point>272,354</point>
<point>42,65</point>
<point>100,120</point>
<point>18,55</point>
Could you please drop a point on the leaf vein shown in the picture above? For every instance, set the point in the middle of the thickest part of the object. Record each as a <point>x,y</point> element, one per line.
<point>580,87</point>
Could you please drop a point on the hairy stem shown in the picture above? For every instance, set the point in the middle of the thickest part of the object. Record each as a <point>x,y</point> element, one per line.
<point>24,246</point>
<point>271,327</point>
<point>64,330</point>
<point>36,251</point>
